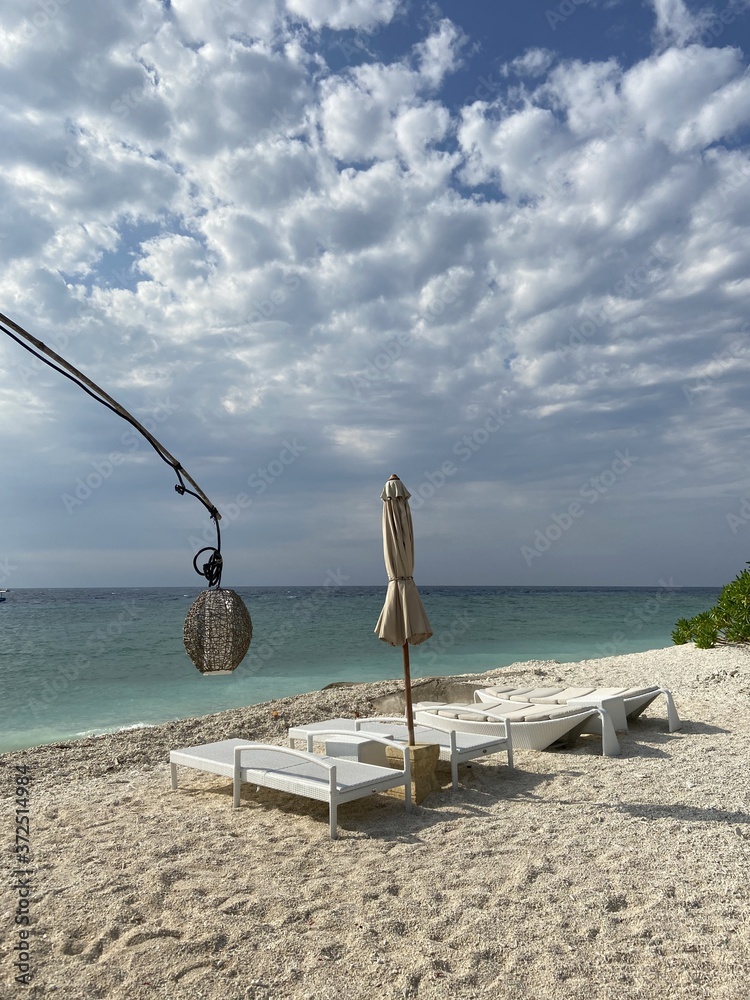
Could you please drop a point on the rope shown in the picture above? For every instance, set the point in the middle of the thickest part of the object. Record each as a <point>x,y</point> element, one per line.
<point>211,569</point>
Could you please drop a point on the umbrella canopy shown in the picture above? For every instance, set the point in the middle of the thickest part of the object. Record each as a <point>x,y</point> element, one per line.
<point>403,620</point>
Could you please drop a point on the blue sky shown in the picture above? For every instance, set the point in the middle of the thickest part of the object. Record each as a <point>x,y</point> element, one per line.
<point>500,250</point>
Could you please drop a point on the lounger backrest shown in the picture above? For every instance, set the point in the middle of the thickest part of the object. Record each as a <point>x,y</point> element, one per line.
<point>533,696</point>
<point>504,710</point>
<point>509,693</point>
<point>558,695</point>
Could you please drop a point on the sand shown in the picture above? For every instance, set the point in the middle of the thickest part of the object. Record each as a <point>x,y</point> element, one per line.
<point>573,876</point>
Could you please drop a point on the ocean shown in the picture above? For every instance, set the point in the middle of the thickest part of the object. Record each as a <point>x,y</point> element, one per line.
<point>78,662</point>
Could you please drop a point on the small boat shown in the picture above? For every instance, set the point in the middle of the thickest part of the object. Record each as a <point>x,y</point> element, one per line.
<point>2,594</point>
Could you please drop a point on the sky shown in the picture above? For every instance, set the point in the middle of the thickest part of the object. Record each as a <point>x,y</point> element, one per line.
<point>501,250</point>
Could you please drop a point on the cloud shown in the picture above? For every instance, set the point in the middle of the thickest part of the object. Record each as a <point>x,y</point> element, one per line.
<point>367,15</point>
<point>366,111</point>
<point>675,24</point>
<point>678,26</point>
<point>230,225</point>
<point>534,62</point>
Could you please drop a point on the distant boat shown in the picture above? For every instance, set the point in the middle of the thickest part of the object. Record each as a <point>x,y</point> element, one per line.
<point>2,594</point>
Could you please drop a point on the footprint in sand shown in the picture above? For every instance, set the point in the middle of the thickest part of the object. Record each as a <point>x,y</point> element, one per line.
<point>140,937</point>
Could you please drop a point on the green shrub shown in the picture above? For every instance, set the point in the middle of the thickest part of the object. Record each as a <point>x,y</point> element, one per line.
<point>682,632</point>
<point>727,621</point>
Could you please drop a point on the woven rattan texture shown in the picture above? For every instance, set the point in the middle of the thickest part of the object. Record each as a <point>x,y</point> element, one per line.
<point>217,631</point>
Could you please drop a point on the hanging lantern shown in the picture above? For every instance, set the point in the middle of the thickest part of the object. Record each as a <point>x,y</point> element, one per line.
<point>218,628</point>
<point>217,631</point>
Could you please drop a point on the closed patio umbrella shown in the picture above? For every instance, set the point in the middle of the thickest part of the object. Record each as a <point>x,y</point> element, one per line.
<point>403,620</point>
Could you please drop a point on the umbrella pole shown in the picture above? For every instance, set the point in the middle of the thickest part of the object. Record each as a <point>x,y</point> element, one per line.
<point>407,688</point>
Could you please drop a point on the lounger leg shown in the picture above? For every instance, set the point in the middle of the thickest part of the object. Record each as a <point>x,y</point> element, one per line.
<point>333,802</point>
<point>610,743</point>
<point>407,782</point>
<point>236,783</point>
<point>510,745</point>
<point>173,776</point>
<point>454,762</point>
<point>332,810</point>
<point>672,716</point>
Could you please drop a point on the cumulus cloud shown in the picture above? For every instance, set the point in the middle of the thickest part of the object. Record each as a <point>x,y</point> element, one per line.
<point>675,24</point>
<point>365,15</point>
<point>364,111</point>
<point>211,216</point>
<point>533,62</point>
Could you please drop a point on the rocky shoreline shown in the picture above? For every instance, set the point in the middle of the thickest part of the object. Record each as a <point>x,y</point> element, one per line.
<point>573,876</point>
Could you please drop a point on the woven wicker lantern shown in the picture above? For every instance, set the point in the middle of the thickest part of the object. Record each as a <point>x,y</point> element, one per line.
<point>217,628</point>
<point>217,631</point>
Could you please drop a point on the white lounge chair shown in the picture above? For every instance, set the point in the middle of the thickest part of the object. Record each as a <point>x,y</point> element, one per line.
<point>530,727</point>
<point>635,699</point>
<point>328,779</point>
<point>455,747</point>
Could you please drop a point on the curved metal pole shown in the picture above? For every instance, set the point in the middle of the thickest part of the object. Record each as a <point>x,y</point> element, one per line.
<point>15,332</point>
<point>212,568</point>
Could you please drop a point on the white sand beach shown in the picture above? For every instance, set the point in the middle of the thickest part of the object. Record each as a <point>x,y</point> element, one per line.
<point>574,876</point>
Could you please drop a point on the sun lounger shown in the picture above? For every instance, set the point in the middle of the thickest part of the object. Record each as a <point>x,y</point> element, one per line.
<point>455,747</point>
<point>530,727</point>
<point>328,779</point>
<point>635,699</point>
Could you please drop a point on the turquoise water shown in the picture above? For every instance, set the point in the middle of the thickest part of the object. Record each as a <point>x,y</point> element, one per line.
<point>82,661</point>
